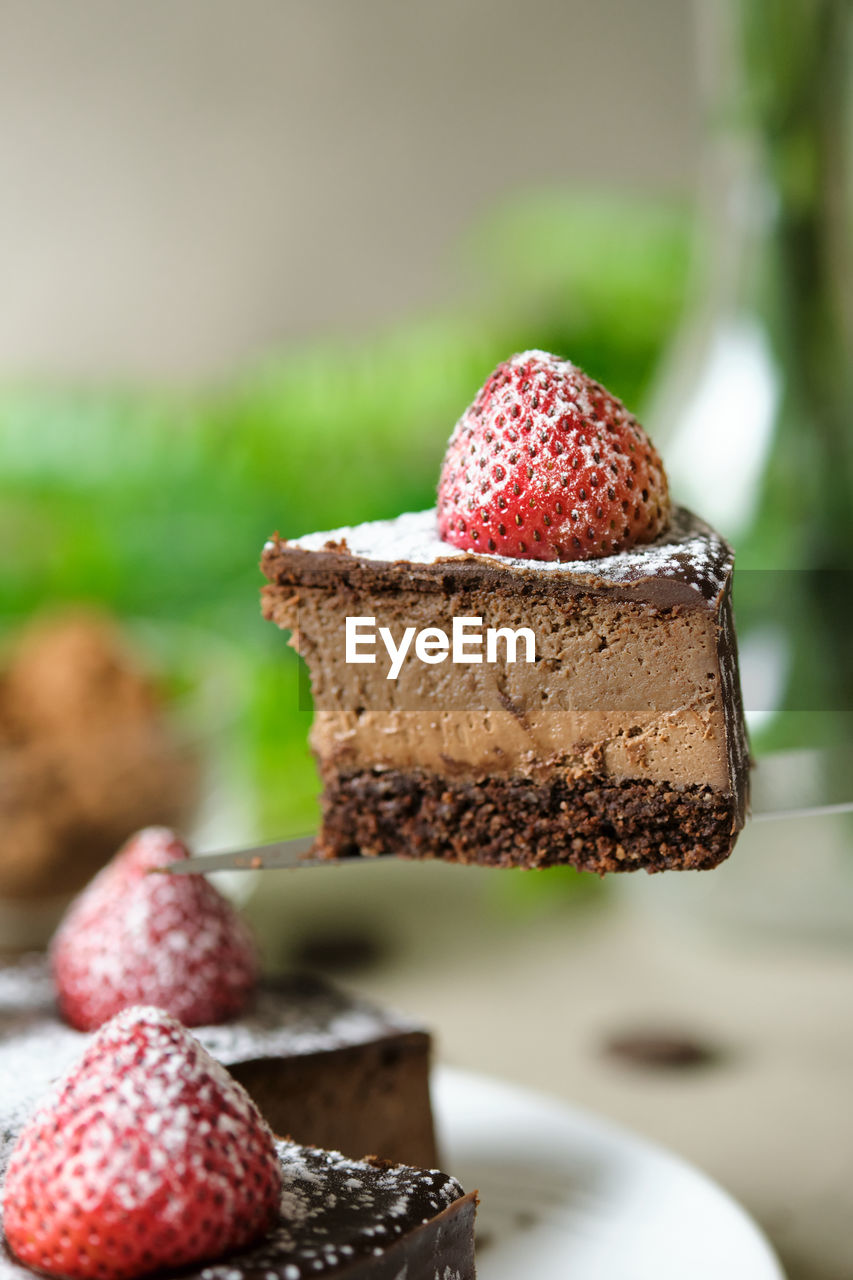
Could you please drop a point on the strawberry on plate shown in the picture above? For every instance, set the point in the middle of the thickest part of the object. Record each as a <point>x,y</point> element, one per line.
<point>146,1155</point>
<point>135,938</point>
<point>548,465</point>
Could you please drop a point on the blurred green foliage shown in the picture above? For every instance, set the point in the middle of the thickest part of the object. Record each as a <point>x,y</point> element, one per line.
<point>156,503</point>
<point>796,106</point>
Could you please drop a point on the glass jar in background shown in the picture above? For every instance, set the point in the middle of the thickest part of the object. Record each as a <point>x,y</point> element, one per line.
<point>753,410</point>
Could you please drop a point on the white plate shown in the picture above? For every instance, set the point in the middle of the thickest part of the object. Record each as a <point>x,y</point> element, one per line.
<point>567,1196</point>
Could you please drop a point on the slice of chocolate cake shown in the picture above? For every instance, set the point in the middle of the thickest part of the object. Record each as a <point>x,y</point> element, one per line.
<point>146,1158</point>
<point>322,1066</point>
<point>543,669</point>
<point>341,1218</point>
<point>619,745</point>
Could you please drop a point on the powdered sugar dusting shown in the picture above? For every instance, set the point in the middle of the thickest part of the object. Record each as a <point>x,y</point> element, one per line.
<point>336,1211</point>
<point>688,552</point>
<point>290,1017</point>
<point>26,986</point>
<point>546,464</point>
<point>299,1016</point>
<point>143,1131</point>
<point>333,1211</point>
<point>136,938</point>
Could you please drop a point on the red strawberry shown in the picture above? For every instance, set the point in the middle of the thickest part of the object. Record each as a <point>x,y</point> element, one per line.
<point>134,938</point>
<point>547,465</point>
<point>147,1155</point>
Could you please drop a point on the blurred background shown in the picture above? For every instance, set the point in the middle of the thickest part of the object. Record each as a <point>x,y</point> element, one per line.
<point>257,258</point>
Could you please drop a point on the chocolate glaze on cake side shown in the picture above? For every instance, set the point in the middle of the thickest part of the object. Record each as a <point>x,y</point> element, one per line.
<point>623,746</point>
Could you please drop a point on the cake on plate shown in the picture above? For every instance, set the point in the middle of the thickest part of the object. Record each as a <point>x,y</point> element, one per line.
<point>348,1220</point>
<point>542,670</point>
<point>147,1157</point>
<point>323,1067</point>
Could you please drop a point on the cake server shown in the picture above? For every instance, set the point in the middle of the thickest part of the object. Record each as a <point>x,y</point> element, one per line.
<point>264,857</point>
<point>785,785</point>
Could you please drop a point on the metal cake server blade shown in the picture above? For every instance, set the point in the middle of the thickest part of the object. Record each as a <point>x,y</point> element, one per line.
<point>814,782</point>
<point>788,784</point>
<point>286,854</point>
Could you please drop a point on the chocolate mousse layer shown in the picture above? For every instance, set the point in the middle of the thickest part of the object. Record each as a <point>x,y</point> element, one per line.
<point>620,744</point>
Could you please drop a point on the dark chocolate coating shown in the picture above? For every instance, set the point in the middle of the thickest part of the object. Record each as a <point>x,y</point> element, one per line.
<point>364,1219</point>
<point>686,564</point>
<point>347,1219</point>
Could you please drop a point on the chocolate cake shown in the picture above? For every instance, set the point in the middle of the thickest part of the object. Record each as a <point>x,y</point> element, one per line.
<point>346,1219</point>
<point>118,1173</point>
<point>322,1067</point>
<point>617,743</point>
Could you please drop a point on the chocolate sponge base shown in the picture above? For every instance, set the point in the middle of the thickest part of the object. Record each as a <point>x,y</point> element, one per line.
<point>594,823</point>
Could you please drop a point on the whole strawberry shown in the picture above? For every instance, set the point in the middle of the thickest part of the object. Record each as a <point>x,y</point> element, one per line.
<point>135,938</point>
<point>147,1155</point>
<point>547,465</point>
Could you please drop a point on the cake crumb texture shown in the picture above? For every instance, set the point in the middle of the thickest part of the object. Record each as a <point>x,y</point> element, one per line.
<point>592,823</point>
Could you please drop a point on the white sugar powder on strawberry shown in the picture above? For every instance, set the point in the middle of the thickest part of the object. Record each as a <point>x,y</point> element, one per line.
<point>289,1020</point>
<point>681,551</point>
<point>138,938</point>
<point>146,1155</point>
<point>548,465</point>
